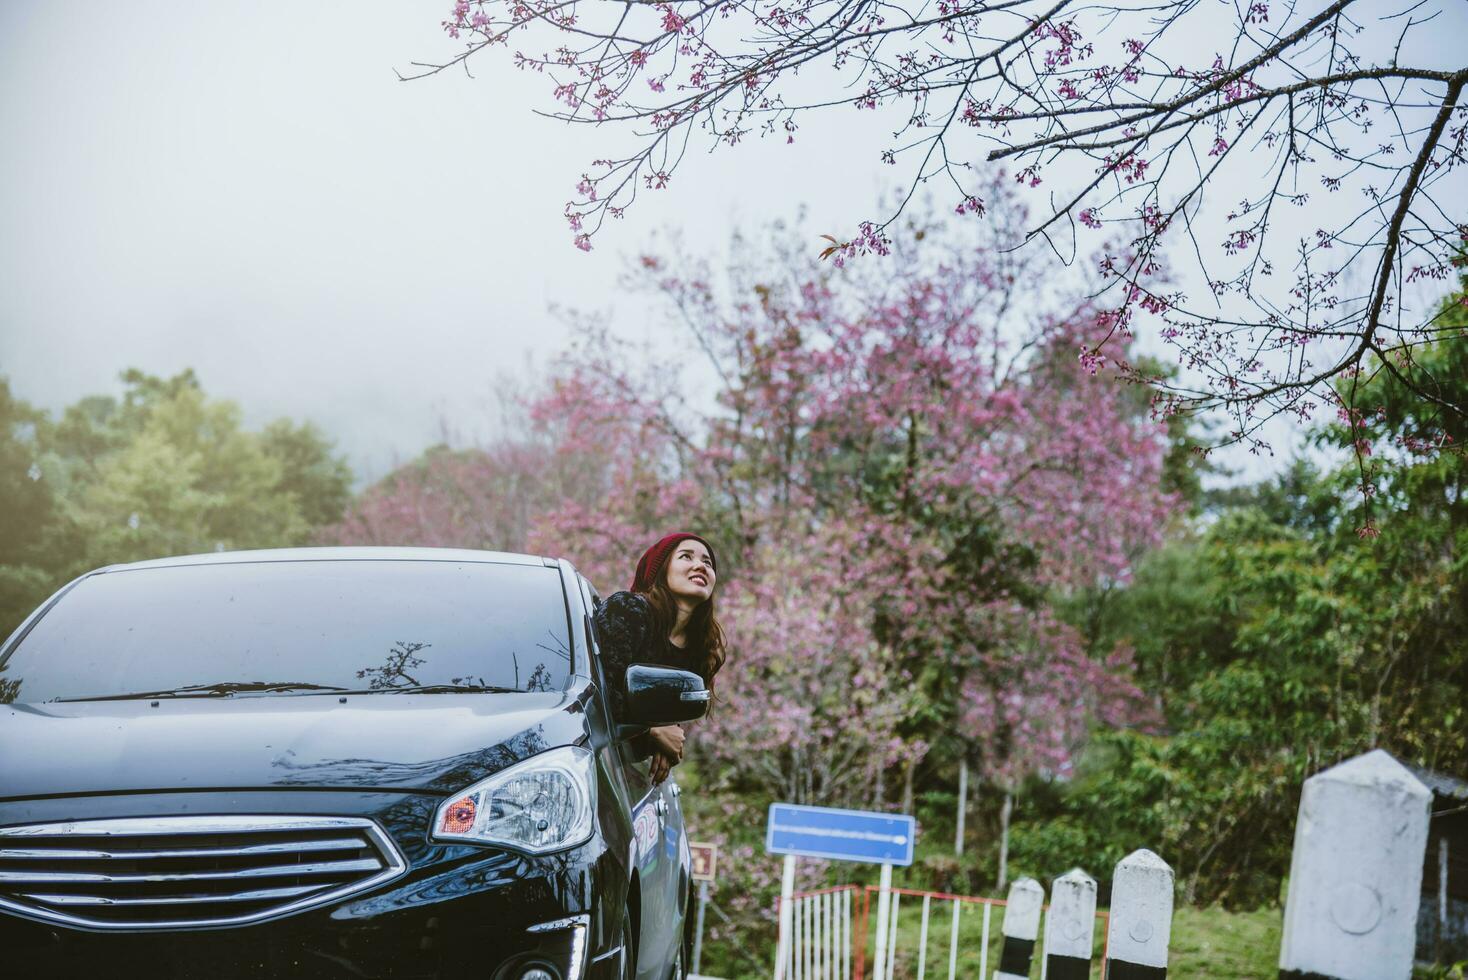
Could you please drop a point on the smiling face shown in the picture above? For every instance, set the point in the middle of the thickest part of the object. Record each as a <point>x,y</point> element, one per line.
<point>690,572</point>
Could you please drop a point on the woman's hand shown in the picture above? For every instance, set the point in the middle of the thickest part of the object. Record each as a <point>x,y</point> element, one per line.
<point>668,740</point>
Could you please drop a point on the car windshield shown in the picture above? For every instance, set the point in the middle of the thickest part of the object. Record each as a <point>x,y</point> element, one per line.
<point>296,628</point>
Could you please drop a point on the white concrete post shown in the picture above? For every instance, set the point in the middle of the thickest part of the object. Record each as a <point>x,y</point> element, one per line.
<point>1356,872</point>
<point>1141,918</point>
<point>1070,928</point>
<point>1021,927</point>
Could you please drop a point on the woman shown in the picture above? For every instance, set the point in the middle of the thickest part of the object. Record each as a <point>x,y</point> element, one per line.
<point>666,619</point>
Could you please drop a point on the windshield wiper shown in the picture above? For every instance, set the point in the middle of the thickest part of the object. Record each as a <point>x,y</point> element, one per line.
<point>221,690</point>
<point>442,689</point>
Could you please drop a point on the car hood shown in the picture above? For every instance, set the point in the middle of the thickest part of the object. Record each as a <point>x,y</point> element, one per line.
<point>434,743</point>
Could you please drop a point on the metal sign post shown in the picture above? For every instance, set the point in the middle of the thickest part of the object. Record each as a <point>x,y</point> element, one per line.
<point>787,890</point>
<point>705,859</point>
<point>838,835</point>
<point>884,911</point>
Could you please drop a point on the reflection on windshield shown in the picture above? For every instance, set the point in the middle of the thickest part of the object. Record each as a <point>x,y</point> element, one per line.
<point>539,677</point>
<point>405,656</point>
<point>557,646</point>
<point>402,658</point>
<point>382,626</point>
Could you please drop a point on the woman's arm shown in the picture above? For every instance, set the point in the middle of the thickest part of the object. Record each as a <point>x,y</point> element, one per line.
<point>668,740</point>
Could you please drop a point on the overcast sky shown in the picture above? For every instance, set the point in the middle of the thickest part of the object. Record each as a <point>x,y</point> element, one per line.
<point>246,189</point>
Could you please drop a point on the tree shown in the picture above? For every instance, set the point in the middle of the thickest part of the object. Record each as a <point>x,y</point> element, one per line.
<point>485,497</point>
<point>898,474</point>
<point>1265,182</point>
<point>30,506</point>
<point>163,470</point>
<point>1389,420</point>
<point>319,482</point>
<point>443,499</point>
<point>1277,642</point>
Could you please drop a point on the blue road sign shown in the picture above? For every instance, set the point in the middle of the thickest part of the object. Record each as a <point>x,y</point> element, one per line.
<point>841,835</point>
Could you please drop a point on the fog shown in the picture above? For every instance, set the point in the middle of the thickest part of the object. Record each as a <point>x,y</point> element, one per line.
<point>248,190</point>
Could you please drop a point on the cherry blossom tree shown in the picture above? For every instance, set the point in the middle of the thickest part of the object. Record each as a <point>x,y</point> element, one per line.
<point>1274,187</point>
<point>898,473</point>
<point>1037,718</point>
<point>901,476</point>
<point>486,497</point>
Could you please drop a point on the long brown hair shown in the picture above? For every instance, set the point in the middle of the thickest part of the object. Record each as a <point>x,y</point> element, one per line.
<point>703,636</point>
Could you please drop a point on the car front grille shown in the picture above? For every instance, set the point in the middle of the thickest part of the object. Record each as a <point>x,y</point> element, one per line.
<point>189,872</point>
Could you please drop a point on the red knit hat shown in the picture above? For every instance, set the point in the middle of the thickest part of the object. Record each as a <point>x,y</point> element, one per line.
<point>653,558</point>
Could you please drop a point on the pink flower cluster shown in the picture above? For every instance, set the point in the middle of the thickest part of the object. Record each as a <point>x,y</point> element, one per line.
<point>866,427</point>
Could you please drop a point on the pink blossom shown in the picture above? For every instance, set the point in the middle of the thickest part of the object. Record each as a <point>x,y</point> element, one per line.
<point>970,205</point>
<point>672,23</point>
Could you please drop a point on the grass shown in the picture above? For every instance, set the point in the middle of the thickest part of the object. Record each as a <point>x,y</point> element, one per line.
<point>1216,943</point>
<point>1210,943</point>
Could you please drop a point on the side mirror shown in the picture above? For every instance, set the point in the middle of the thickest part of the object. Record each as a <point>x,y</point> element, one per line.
<point>663,696</point>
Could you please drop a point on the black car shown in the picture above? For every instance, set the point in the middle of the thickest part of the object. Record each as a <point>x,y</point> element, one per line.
<point>355,762</point>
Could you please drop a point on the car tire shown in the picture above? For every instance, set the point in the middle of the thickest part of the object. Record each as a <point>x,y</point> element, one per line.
<point>628,958</point>
<point>690,914</point>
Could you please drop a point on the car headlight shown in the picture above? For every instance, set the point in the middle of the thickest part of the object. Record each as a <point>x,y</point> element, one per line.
<point>542,804</point>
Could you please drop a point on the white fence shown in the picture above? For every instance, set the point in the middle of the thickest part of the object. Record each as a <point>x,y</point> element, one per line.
<point>1350,914</point>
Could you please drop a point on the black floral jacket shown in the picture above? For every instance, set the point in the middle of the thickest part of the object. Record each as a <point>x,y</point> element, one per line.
<point>624,634</point>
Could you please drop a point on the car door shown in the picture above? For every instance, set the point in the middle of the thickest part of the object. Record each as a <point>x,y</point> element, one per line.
<point>657,832</point>
<point>658,867</point>
<point>680,859</point>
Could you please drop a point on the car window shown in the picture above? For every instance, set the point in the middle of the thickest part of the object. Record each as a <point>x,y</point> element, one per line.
<point>376,626</point>
<point>593,603</point>
<point>633,752</point>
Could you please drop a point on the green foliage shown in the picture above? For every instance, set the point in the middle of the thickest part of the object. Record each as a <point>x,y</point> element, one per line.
<point>29,507</point>
<point>318,482</point>
<point>28,501</point>
<point>1276,642</point>
<point>164,470</point>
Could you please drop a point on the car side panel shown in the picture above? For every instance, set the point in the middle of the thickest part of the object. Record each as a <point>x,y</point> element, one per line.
<point>658,831</point>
